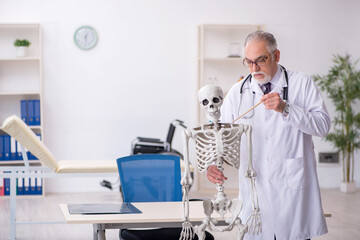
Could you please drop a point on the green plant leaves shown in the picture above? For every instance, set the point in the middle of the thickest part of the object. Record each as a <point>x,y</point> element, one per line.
<point>342,84</point>
<point>22,43</point>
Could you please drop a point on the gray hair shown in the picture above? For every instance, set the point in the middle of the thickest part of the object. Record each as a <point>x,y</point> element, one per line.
<point>260,35</point>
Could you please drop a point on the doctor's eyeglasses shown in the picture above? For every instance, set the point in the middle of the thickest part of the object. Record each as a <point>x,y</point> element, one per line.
<point>261,61</point>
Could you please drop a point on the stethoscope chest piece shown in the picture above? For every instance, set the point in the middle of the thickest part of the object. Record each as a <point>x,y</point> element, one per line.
<point>248,78</point>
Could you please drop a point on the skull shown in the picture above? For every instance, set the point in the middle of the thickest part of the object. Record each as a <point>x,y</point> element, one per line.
<point>211,98</point>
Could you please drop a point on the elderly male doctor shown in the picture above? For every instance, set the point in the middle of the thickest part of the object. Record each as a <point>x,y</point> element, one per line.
<point>283,150</point>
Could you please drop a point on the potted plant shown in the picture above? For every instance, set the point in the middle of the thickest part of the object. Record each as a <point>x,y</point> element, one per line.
<point>342,84</point>
<point>21,45</point>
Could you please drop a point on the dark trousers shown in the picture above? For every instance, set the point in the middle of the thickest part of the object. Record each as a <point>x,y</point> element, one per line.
<point>157,234</point>
<point>275,238</point>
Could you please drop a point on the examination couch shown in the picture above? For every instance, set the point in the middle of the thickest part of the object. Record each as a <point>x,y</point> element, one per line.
<point>50,167</point>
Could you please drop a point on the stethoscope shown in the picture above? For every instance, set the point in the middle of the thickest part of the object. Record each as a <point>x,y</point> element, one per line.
<point>285,90</point>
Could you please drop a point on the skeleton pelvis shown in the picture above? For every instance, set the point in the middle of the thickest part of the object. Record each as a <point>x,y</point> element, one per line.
<point>233,206</point>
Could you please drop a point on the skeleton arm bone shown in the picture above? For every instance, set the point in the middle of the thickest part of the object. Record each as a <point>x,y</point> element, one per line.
<point>187,231</point>
<point>254,220</point>
<point>186,181</point>
<point>250,171</point>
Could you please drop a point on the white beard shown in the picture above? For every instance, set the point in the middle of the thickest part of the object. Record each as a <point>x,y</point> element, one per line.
<point>265,80</point>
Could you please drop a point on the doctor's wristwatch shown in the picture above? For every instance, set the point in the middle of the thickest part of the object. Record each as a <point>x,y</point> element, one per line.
<point>286,110</point>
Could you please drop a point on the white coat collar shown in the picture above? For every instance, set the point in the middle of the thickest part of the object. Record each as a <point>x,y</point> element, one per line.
<point>277,83</point>
<point>280,81</point>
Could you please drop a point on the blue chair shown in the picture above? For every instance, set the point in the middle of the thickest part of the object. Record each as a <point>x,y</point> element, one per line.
<point>151,178</point>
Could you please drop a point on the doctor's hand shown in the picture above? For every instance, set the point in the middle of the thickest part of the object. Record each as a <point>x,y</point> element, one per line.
<point>273,101</point>
<point>215,175</point>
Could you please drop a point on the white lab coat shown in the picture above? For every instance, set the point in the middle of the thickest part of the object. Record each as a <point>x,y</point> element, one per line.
<point>283,157</point>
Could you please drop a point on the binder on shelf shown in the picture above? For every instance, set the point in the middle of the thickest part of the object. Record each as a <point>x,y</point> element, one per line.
<point>32,185</point>
<point>19,153</point>
<point>7,149</point>
<point>29,154</point>
<point>30,104</point>
<point>6,186</point>
<point>13,149</point>
<point>36,112</point>
<point>26,186</point>
<point>24,111</point>
<point>38,185</point>
<point>1,148</point>
<point>2,186</point>
<point>20,186</point>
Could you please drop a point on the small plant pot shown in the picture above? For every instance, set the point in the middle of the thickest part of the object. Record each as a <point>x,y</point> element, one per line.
<point>348,187</point>
<point>21,51</point>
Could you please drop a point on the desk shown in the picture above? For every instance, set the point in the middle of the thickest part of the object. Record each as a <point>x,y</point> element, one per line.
<point>154,214</point>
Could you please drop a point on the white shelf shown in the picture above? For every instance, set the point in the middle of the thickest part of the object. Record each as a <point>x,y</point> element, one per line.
<point>10,32</point>
<point>19,59</point>
<point>19,25</point>
<point>227,59</point>
<point>19,162</point>
<point>21,77</point>
<point>215,67</point>
<point>20,93</point>
<point>33,127</point>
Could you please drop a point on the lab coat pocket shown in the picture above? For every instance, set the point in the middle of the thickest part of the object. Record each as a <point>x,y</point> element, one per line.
<point>296,173</point>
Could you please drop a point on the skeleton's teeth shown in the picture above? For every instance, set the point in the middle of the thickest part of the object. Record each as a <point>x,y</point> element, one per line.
<point>213,113</point>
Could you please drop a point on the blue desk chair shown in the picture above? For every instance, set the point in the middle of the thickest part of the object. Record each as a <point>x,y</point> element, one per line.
<point>151,178</point>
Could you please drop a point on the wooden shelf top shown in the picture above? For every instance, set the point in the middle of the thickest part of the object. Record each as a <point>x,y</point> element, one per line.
<point>13,59</point>
<point>19,93</point>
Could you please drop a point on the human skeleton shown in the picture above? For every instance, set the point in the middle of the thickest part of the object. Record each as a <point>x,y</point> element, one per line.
<point>216,143</point>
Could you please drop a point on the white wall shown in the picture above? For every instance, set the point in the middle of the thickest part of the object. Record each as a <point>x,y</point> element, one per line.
<point>143,72</point>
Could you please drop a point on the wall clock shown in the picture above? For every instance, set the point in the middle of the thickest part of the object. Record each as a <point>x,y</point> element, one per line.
<point>85,37</point>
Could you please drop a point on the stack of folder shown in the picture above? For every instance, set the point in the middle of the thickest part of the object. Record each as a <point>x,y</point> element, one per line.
<point>10,149</point>
<point>30,112</point>
<point>24,186</point>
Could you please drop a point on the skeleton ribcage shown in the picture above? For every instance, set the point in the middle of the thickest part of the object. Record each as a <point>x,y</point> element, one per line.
<point>211,144</point>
